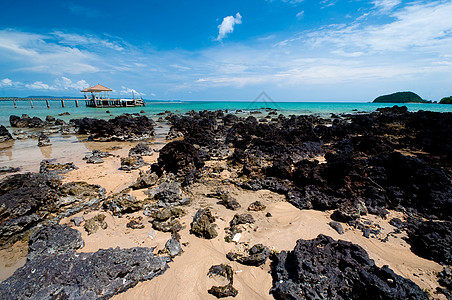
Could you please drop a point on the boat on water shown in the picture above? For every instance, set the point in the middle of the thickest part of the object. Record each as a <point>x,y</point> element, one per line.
<point>97,96</point>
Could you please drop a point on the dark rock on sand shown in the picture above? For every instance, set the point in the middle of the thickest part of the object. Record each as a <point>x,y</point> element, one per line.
<point>26,122</point>
<point>95,223</point>
<point>132,163</point>
<point>43,140</point>
<point>145,180</point>
<point>173,247</point>
<point>78,220</point>
<point>47,166</point>
<point>123,203</point>
<point>95,157</point>
<point>223,291</point>
<point>141,149</point>
<point>121,128</point>
<point>336,226</point>
<point>65,274</point>
<point>242,219</point>
<point>227,200</point>
<point>326,269</point>
<point>7,169</point>
<point>256,256</point>
<point>179,157</point>
<point>168,194</point>
<point>203,224</point>
<point>445,279</point>
<point>256,206</point>
<point>31,199</point>
<point>431,240</point>
<point>4,134</point>
<point>226,272</point>
<point>54,240</point>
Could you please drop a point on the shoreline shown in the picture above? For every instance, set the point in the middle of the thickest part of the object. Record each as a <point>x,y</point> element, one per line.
<point>187,274</point>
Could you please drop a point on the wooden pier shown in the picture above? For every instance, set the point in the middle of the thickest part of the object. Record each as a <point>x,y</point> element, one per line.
<point>14,100</point>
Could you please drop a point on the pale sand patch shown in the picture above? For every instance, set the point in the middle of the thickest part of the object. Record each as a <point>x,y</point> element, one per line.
<point>12,258</point>
<point>187,276</point>
<point>117,234</point>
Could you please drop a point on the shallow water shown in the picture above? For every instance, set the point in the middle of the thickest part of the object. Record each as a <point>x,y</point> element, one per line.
<point>153,108</point>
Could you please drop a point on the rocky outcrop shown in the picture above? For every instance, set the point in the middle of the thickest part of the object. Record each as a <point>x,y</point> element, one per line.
<point>43,140</point>
<point>4,134</point>
<point>168,194</point>
<point>223,271</point>
<point>255,256</point>
<point>26,122</point>
<point>179,157</point>
<point>47,166</point>
<point>323,268</point>
<point>123,203</point>
<point>55,271</point>
<point>431,239</point>
<point>141,149</point>
<point>93,224</point>
<point>53,240</point>
<point>95,157</point>
<point>28,200</point>
<point>132,163</point>
<point>125,127</point>
<point>145,180</point>
<point>203,224</point>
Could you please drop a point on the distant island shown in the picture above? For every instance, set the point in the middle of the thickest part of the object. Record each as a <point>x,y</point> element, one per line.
<point>446,100</point>
<point>400,97</point>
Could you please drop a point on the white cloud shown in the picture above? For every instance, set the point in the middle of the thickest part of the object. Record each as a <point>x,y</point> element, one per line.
<point>6,83</point>
<point>39,85</point>
<point>66,84</point>
<point>300,15</point>
<point>227,26</point>
<point>422,27</point>
<point>179,67</point>
<point>74,39</point>
<point>40,53</point>
<point>129,92</point>
<point>327,3</point>
<point>385,5</point>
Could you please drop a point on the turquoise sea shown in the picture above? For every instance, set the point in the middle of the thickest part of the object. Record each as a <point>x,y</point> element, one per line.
<point>152,108</point>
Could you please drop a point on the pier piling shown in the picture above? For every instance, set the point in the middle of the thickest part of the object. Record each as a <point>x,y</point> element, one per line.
<point>62,103</point>
<point>76,103</point>
<point>31,103</point>
<point>48,105</point>
<point>15,106</point>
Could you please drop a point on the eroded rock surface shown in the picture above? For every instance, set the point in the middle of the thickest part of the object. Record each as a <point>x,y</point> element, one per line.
<point>326,269</point>
<point>58,272</point>
<point>31,199</point>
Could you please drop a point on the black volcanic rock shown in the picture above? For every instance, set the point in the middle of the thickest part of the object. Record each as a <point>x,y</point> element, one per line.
<point>54,240</point>
<point>4,134</point>
<point>26,122</point>
<point>28,200</point>
<point>431,239</point>
<point>55,271</point>
<point>179,157</point>
<point>326,269</point>
<point>125,127</point>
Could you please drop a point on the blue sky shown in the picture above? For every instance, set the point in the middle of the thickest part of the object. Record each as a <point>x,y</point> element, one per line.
<point>294,50</point>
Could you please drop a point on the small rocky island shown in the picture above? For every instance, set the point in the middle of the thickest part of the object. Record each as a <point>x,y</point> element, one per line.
<point>446,100</point>
<point>400,97</point>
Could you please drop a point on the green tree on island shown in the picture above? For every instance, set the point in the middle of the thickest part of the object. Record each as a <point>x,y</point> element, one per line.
<point>446,100</point>
<point>400,97</point>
